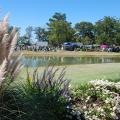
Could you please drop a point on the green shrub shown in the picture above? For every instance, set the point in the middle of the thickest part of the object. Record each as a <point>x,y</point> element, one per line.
<point>46,97</point>
<point>9,106</point>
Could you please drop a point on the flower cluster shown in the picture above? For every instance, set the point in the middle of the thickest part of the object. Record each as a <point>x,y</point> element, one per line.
<point>100,100</point>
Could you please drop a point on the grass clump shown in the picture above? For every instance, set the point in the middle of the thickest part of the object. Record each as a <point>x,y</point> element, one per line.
<point>9,68</point>
<point>47,96</point>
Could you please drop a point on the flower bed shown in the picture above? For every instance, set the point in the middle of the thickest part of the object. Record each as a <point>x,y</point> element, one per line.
<point>99,100</point>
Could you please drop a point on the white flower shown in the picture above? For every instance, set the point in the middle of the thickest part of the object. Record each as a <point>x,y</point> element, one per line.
<point>114,108</point>
<point>84,107</point>
<point>94,105</point>
<point>114,115</point>
<point>69,86</point>
<point>99,109</point>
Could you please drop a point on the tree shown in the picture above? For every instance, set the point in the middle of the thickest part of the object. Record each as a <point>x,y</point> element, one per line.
<point>77,37</point>
<point>41,34</point>
<point>58,16</point>
<point>29,31</point>
<point>10,28</point>
<point>85,30</point>
<point>108,31</point>
<point>26,38</point>
<point>23,40</point>
<point>59,30</point>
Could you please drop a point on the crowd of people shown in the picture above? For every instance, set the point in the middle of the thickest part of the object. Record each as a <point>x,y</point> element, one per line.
<point>36,48</point>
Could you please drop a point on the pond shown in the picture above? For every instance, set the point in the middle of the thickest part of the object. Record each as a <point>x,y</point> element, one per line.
<point>43,61</point>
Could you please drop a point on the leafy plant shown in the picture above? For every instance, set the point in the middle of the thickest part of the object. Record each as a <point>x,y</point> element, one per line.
<point>46,96</point>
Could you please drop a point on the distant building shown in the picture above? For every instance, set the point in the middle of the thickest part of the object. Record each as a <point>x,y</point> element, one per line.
<point>42,43</point>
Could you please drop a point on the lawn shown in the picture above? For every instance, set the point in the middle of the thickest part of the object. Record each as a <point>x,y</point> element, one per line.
<point>68,53</point>
<point>79,74</point>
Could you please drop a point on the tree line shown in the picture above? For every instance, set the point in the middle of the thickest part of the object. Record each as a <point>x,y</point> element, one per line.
<point>59,30</point>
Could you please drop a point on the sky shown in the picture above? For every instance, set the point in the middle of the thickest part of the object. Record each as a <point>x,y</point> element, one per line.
<point>34,13</point>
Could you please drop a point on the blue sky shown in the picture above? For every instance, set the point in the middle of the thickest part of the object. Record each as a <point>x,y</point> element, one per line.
<point>37,12</point>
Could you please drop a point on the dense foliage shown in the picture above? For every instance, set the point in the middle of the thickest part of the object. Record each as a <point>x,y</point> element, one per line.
<point>107,31</point>
<point>41,34</point>
<point>85,31</point>
<point>59,30</point>
<point>45,97</point>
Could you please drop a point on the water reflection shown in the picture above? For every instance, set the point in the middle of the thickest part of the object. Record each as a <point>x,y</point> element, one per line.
<point>43,61</point>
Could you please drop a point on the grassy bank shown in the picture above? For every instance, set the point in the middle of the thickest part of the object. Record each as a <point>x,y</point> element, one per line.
<point>68,53</point>
<point>86,72</point>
